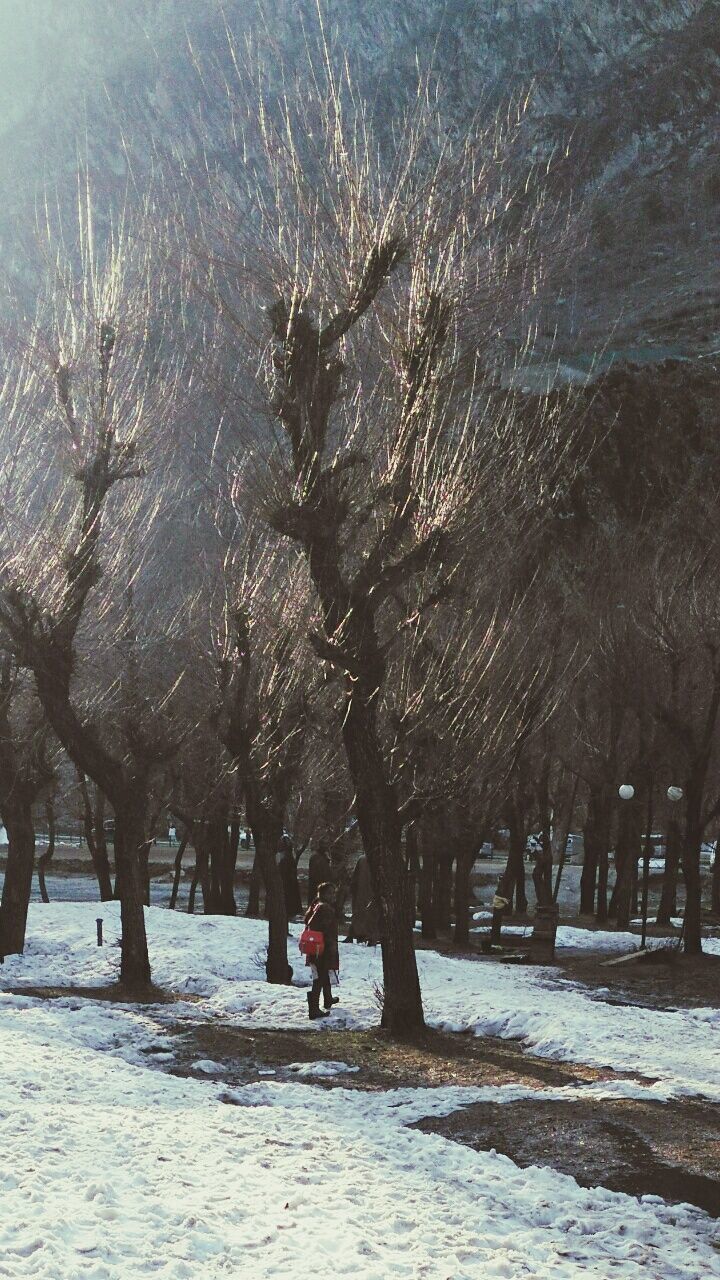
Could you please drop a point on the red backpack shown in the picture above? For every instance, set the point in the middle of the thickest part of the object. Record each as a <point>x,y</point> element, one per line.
<point>312,941</point>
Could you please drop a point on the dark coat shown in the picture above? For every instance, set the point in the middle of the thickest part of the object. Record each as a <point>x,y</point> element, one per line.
<point>321,917</point>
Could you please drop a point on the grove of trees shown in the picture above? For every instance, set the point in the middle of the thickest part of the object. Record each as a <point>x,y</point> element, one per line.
<point>285,536</point>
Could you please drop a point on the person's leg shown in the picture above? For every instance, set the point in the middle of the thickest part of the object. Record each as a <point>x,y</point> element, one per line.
<point>313,999</point>
<point>328,998</point>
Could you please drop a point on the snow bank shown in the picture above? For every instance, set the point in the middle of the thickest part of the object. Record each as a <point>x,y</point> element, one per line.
<point>112,1170</point>
<point>214,966</point>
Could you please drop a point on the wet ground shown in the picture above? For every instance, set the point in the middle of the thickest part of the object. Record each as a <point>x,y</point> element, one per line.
<point>670,1149</point>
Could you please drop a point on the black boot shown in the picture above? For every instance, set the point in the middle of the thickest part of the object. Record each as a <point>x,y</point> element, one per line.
<point>333,1000</point>
<point>314,1010</point>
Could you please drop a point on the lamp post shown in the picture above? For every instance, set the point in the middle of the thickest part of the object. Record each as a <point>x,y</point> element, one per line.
<point>627,792</point>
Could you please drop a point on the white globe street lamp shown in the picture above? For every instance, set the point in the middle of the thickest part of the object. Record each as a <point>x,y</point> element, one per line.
<point>674,794</point>
<point>626,792</point>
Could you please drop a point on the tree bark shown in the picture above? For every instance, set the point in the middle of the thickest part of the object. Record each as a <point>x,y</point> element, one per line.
<point>467,853</point>
<point>514,875</point>
<point>98,850</point>
<point>588,876</point>
<point>604,817</point>
<point>715,891</point>
<point>177,870</point>
<point>381,830</point>
<point>565,837</point>
<point>267,833</point>
<point>692,840</point>
<point>129,839</point>
<point>253,907</point>
<point>668,897</point>
<point>17,818</point>
<point>412,858</point>
<point>628,848</point>
<point>442,888</point>
<point>46,858</point>
<point>428,923</point>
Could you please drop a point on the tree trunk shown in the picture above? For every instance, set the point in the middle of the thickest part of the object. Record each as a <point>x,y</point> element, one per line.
<point>381,831</point>
<point>628,848</point>
<point>604,816</point>
<point>129,840</point>
<point>98,848</point>
<point>467,853</point>
<point>177,870</point>
<point>715,883</point>
<point>588,876</point>
<point>267,833</point>
<point>442,888</point>
<point>668,897</point>
<point>692,839</point>
<point>514,875</point>
<point>428,923</point>
<point>253,907</point>
<point>221,863</point>
<point>17,887</point>
<point>46,858</point>
<point>412,859</point>
<point>565,837</point>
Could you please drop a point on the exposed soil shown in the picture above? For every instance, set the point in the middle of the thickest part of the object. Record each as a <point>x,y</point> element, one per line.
<point>670,1150</point>
<point>425,1062</point>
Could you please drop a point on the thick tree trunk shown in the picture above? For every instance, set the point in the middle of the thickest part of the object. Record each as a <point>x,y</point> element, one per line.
<point>46,858</point>
<point>668,897</point>
<point>129,840</point>
<point>17,887</point>
<point>267,833</point>
<point>381,830</point>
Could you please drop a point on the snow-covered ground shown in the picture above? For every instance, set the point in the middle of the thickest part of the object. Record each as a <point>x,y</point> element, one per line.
<point>112,1170</point>
<point>219,962</point>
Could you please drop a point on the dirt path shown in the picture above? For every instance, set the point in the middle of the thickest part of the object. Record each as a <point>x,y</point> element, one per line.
<point>670,1149</point>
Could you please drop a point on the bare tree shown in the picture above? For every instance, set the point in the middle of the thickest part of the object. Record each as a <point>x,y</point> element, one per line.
<point>25,771</point>
<point>92,376</point>
<point>262,713</point>
<point>380,269</point>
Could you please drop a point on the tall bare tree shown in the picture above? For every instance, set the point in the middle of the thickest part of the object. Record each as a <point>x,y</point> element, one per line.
<point>91,382</point>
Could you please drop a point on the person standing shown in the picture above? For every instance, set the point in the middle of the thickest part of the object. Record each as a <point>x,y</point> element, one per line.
<point>320,916</point>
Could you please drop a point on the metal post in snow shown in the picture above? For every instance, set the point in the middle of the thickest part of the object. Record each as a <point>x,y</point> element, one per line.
<point>99,925</point>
